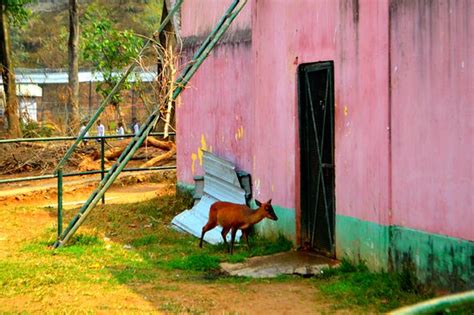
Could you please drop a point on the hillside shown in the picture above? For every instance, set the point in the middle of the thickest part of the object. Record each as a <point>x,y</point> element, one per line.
<point>42,43</point>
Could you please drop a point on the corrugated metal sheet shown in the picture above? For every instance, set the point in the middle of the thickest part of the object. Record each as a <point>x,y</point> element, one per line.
<point>220,184</point>
<point>24,76</point>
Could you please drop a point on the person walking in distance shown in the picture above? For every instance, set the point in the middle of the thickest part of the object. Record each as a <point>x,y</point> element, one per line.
<point>83,127</point>
<point>100,129</point>
<point>120,130</point>
<point>135,126</point>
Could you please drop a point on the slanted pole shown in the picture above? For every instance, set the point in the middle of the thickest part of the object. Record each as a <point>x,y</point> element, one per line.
<point>60,202</point>
<point>146,128</point>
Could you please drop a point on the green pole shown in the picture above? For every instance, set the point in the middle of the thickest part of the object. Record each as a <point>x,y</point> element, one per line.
<point>102,164</point>
<point>60,202</point>
<point>104,185</point>
<point>144,131</point>
<point>459,302</point>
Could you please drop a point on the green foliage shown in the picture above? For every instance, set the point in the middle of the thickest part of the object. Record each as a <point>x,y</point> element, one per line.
<point>108,50</point>
<point>355,285</point>
<point>32,129</point>
<point>17,12</point>
<point>151,16</point>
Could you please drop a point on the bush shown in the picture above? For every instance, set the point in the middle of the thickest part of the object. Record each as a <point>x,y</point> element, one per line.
<point>32,129</point>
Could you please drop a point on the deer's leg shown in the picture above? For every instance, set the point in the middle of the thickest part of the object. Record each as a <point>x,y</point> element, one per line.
<point>224,236</point>
<point>209,226</point>
<point>233,232</point>
<point>245,235</point>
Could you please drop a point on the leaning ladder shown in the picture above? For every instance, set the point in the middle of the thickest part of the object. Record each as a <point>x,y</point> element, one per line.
<point>184,77</point>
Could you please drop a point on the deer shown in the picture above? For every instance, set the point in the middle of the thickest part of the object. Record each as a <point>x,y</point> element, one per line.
<point>232,217</point>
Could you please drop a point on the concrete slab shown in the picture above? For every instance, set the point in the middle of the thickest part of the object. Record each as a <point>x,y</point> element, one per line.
<point>295,262</point>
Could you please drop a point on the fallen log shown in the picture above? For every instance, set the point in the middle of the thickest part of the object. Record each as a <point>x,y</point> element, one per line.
<point>120,146</point>
<point>160,158</point>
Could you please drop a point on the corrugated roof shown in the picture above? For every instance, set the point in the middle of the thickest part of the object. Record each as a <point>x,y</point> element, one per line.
<point>23,76</point>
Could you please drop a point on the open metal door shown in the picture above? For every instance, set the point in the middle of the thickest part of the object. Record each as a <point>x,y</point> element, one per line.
<point>316,118</point>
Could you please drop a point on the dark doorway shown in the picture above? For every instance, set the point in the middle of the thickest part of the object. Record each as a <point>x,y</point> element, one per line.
<point>316,114</point>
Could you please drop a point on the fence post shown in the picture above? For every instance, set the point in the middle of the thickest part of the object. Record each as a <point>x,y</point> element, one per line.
<point>102,163</point>
<point>60,202</point>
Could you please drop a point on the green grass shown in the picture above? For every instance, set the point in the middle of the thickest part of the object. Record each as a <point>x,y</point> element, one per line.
<point>145,240</point>
<point>195,262</point>
<point>352,284</point>
<point>145,227</point>
<point>97,255</point>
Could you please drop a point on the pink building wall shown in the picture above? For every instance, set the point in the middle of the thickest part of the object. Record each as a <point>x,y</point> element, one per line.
<point>403,143</point>
<point>432,78</point>
<point>200,16</point>
<point>315,31</point>
<point>215,112</point>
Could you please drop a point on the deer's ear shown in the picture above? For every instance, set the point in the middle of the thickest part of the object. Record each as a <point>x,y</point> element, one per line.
<point>269,202</point>
<point>258,202</point>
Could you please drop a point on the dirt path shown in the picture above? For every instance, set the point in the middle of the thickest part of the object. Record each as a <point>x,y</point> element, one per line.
<point>77,189</point>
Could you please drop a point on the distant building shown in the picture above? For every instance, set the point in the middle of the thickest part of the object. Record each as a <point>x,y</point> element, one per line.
<point>29,95</point>
<point>51,106</point>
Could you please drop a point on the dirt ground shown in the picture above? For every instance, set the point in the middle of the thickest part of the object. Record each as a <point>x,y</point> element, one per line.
<point>26,213</point>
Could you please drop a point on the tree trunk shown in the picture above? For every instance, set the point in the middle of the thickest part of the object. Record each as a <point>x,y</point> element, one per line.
<point>118,111</point>
<point>8,76</point>
<point>73,44</point>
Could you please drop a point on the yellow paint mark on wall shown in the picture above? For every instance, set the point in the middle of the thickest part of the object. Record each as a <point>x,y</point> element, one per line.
<point>346,111</point>
<point>203,147</point>
<point>240,133</point>
<point>193,164</point>
<point>273,188</point>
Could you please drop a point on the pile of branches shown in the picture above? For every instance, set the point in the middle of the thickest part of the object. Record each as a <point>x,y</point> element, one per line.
<point>27,157</point>
<point>165,153</point>
<point>42,158</point>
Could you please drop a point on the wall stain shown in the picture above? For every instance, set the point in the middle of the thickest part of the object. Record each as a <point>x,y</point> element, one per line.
<point>193,163</point>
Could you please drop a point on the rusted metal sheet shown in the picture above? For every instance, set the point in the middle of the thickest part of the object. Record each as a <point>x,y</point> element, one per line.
<point>221,183</point>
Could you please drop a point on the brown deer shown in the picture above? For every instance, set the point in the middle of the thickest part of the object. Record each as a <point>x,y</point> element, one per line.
<point>231,216</point>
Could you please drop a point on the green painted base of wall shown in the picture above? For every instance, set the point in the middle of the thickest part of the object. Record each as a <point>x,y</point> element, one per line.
<point>183,188</point>
<point>440,260</point>
<point>359,240</point>
<point>285,225</point>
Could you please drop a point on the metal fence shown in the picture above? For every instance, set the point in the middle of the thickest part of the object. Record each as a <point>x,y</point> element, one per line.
<point>50,108</point>
<point>102,170</point>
